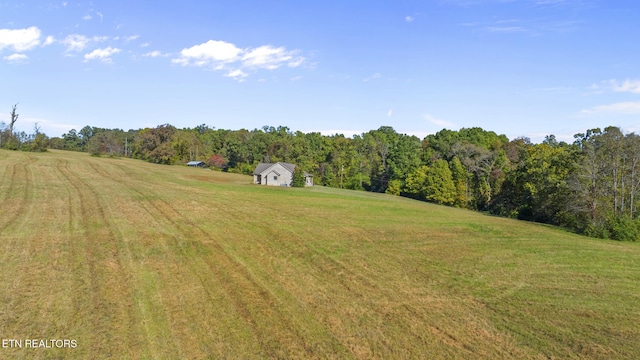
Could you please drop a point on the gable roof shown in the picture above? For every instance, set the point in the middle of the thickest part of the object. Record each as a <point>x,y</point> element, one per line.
<point>262,167</point>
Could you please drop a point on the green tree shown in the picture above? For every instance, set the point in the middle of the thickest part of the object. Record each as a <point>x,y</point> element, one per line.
<point>461,180</point>
<point>298,177</point>
<point>154,145</point>
<point>439,185</point>
<point>415,184</point>
<point>394,187</point>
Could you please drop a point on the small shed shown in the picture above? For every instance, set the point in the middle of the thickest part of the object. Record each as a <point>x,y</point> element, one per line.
<point>196,164</point>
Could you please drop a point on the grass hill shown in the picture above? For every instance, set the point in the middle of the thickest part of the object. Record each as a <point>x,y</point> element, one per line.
<point>135,260</point>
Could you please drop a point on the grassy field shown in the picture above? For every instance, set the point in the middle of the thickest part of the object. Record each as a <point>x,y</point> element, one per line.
<point>135,260</point>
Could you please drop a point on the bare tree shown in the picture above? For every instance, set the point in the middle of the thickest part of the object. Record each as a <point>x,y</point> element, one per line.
<point>14,118</point>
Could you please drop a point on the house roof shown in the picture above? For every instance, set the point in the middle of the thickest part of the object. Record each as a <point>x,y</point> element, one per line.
<point>193,163</point>
<point>262,167</point>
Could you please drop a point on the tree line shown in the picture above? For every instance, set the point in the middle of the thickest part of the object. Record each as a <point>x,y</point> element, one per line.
<point>589,186</point>
<point>20,140</point>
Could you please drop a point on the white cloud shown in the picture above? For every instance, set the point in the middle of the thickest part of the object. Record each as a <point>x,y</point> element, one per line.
<point>409,18</point>
<point>49,40</point>
<point>632,86</point>
<point>100,14</point>
<point>87,17</point>
<point>155,53</point>
<point>269,57</point>
<point>212,51</point>
<point>103,55</point>
<point>237,74</point>
<point>145,45</point>
<point>222,55</point>
<point>20,39</point>
<point>296,78</point>
<point>297,61</point>
<point>389,113</point>
<point>75,42</point>
<point>439,122</point>
<point>16,58</point>
<point>131,38</point>
<point>374,76</point>
<point>625,108</point>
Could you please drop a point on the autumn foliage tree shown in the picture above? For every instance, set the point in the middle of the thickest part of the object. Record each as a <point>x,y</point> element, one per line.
<point>217,161</point>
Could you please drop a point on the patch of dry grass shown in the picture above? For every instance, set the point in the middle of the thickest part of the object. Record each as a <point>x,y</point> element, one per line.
<point>135,260</point>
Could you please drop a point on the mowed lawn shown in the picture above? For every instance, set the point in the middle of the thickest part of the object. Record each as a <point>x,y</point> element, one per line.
<point>143,261</point>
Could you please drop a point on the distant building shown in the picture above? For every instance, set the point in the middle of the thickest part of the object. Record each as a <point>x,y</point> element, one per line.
<point>196,163</point>
<point>278,174</point>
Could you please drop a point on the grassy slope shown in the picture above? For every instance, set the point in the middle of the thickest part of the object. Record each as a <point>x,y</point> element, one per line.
<point>137,260</point>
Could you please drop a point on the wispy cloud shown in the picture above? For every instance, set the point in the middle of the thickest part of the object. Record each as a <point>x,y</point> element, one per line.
<point>237,74</point>
<point>131,38</point>
<point>409,18</point>
<point>389,113</point>
<point>524,26</point>
<point>507,29</point>
<point>628,85</point>
<point>20,39</point>
<point>621,108</point>
<point>103,55</point>
<point>156,53</point>
<point>222,55</point>
<point>75,42</point>
<point>374,76</point>
<point>438,122</point>
<point>91,14</point>
<point>268,57</point>
<point>632,86</point>
<point>16,58</point>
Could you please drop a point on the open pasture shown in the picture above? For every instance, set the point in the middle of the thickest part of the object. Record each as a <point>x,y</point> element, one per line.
<point>135,260</point>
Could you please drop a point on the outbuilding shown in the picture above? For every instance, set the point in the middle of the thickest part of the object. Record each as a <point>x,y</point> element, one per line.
<point>196,163</point>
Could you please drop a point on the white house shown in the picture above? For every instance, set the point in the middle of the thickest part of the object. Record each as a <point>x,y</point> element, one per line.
<point>278,174</point>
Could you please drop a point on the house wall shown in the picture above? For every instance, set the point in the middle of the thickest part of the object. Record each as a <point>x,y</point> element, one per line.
<point>285,176</point>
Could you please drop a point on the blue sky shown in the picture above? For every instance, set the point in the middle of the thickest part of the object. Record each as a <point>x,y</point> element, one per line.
<point>517,67</point>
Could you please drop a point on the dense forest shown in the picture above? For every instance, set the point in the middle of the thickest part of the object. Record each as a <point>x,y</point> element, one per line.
<point>588,186</point>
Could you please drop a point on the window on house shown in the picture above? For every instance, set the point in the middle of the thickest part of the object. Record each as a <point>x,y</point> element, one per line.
<point>275,177</point>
